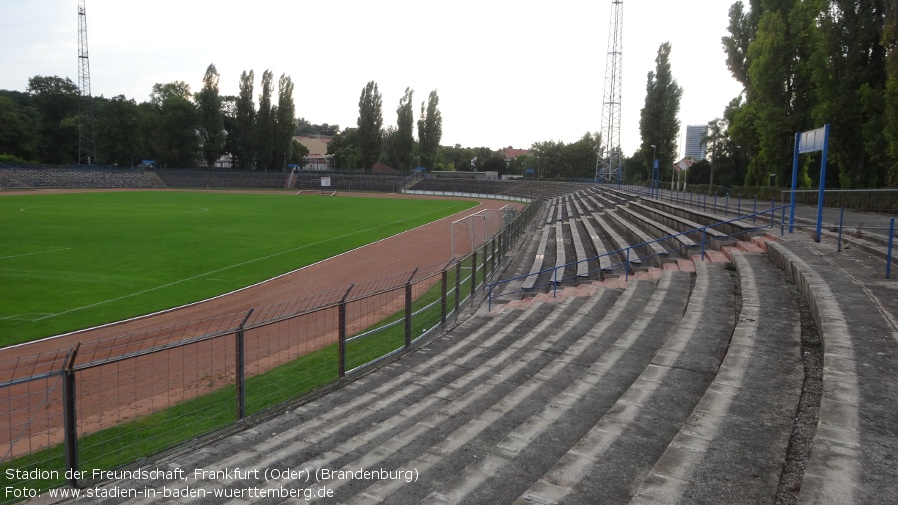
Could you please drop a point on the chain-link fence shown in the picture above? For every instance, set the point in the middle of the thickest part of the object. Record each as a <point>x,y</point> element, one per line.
<point>110,402</point>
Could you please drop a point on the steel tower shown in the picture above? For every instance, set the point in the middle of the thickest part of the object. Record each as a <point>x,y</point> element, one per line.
<point>609,163</point>
<point>86,154</point>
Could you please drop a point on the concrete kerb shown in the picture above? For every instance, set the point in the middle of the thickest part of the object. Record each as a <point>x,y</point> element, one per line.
<point>831,475</point>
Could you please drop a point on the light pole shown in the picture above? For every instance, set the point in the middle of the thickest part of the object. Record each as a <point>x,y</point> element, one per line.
<point>673,176</point>
<point>713,158</point>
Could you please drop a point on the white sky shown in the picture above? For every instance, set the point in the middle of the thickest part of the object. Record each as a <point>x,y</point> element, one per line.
<point>507,73</point>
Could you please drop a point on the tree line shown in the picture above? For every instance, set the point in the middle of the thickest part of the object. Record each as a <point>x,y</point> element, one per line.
<point>803,64</point>
<point>395,146</point>
<point>175,128</point>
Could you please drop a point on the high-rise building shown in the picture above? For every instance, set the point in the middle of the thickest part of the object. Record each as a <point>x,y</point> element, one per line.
<point>694,147</point>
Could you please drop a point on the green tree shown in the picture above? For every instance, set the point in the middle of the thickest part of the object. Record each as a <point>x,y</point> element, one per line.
<point>636,170</point>
<point>549,154</point>
<point>56,100</point>
<point>658,123</point>
<point>430,130</point>
<point>728,164</point>
<point>286,121</point>
<point>118,130</point>
<point>171,122</point>
<point>579,158</point>
<point>264,131</point>
<point>403,143</point>
<point>245,123</point>
<point>370,124</point>
<point>298,152</point>
<point>229,122</point>
<point>743,26</point>
<point>495,163</point>
<point>780,80</point>
<point>851,89</point>
<point>162,92</point>
<point>17,133</point>
<point>890,43</point>
<point>209,105</point>
<point>344,147</point>
<point>180,123</point>
<point>520,164</point>
<point>304,127</point>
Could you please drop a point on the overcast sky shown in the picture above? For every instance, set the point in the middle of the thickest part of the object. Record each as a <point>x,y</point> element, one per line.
<point>508,73</point>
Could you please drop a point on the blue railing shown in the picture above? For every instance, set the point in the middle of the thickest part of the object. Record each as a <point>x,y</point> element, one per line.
<point>627,252</point>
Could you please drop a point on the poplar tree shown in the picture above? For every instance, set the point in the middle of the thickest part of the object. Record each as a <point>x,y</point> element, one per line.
<point>245,144</point>
<point>286,121</point>
<point>430,130</point>
<point>370,123</point>
<point>265,125</point>
<point>402,141</point>
<point>658,123</point>
<point>212,134</point>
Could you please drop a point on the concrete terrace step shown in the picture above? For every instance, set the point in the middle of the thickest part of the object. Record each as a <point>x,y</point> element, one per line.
<point>550,411</point>
<point>733,446</point>
<point>853,455</point>
<point>628,439</point>
<point>446,434</point>
<point>412,403</point>
<point>611,282</point>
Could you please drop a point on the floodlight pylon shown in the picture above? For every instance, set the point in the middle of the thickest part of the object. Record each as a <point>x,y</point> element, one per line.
<point>609,162</point>
<point>86,150</point>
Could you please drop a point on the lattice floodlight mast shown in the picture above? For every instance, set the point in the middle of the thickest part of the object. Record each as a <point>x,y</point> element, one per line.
<point>609,164</point>
<point>86,155</point>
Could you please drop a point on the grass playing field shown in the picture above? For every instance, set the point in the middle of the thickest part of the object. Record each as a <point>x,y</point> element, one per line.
<point>71,261</point>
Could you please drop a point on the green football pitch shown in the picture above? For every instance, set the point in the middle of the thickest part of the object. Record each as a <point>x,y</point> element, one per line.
<point>75,260</point>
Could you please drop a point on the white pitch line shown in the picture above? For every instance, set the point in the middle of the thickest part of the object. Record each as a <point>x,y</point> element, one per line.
<point>33,253</point>
<point>163,286</point>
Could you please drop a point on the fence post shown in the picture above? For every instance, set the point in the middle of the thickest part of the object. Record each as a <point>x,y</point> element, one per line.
<point>627,266</point>
<point>754,219</point>
<point>473,272</point>
<point>739,206</point>
<point>457,286</point>
<point>726,206</point>
<point>444,281</point>
<point>485,261</point>
<point>704,237</point>
<point>408,310</point>
<point>341,328</point>
<point>240,378</point>
<point>70,418</point>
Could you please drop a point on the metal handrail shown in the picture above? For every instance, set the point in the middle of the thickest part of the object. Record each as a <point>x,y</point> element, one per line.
<point>627,250</point>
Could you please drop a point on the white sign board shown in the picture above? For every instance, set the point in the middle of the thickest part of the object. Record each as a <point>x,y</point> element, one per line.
<point>811,141</point>
<point>325,182</point>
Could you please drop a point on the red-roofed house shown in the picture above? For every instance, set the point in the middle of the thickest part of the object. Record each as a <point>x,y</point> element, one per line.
<point>510,153</point>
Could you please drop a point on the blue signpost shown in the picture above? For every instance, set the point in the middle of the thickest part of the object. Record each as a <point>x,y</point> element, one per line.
<point>809,142</point>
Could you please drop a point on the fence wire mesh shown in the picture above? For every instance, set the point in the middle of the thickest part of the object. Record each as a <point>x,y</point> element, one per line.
<point>143,392</point>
